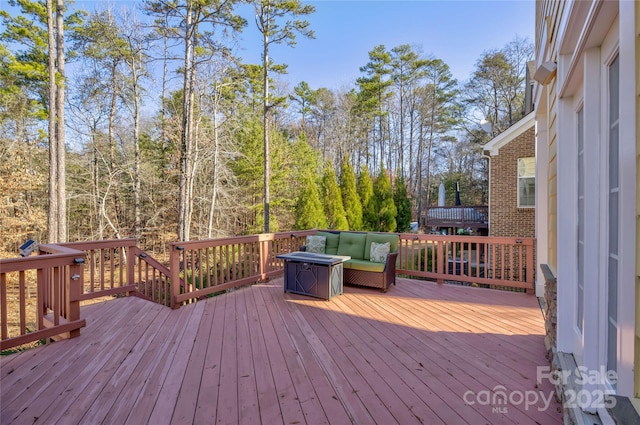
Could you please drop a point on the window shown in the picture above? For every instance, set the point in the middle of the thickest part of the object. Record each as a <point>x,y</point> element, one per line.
<point>614,216</point>
<point>526,182</point>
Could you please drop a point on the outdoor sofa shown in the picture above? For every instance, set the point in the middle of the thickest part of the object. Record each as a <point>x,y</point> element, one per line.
<point>375,268</point>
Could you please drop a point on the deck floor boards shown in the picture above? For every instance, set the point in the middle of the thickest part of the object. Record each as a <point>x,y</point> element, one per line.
<point>257,355</point>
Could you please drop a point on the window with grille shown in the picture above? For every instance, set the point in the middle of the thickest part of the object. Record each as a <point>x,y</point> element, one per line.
<point>526,182</point>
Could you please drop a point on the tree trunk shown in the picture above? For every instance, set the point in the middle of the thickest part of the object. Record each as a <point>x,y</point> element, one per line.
<point>60,136</point>
<point>53,145</point>
<point>96,187</point>
<point>113,163</point>
<point>419,155</point>
<point>184,211</point>
<point>214,176</point>
<point>136,141</point>
<point>265,104</point>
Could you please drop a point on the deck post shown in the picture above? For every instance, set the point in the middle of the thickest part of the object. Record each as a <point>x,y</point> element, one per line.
<point>264,259</point>
<point>529,273</point>
<point>174,267</point>
<point>75,285</point>
<point>131,266</point>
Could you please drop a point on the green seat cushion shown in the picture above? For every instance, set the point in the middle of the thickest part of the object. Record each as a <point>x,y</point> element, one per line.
<point>352,244</point>
<point>364,265</point>
<point>393,240</point>
<point>331,245</point>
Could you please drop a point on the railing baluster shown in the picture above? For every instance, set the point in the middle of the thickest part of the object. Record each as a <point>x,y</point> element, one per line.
<point>3,307</point>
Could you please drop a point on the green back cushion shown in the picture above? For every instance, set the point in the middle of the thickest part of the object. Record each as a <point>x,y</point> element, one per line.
<point>352,244</point>
<point>331,245</point>
<point>380,238</point>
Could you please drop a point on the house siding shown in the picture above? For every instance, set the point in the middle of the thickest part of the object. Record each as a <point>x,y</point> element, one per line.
<point>637,301</point>
<point>548,20</point>
<point>582,38</point>
<point>506,219</point>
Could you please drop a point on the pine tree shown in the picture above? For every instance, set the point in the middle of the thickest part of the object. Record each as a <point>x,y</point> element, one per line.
<point>403,206</point>
<point>350,198</point>
<point>336,217</point>
<point>365,191</point>
<point>309,209</point>
<point>386,210</point>
<point>270,15</point>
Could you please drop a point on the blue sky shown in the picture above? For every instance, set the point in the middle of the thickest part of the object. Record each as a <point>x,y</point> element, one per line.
<point>455,31</point>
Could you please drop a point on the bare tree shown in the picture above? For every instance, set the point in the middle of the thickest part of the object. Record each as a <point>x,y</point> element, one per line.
<point>187,18</point>
<point>496,87</point>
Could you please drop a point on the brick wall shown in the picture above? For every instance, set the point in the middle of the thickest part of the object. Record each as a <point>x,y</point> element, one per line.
<point>505,218</point>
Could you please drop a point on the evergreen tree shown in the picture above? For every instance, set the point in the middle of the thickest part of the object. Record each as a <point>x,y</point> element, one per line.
<point>247,168</point>
<point>350,198</point>
<point>365,191</point>
<point>292,160</point>
<point>374,92</point>
<point>386,208</point>
<point>336,217</point>
<point>403,206</point>
<point>309,209</point>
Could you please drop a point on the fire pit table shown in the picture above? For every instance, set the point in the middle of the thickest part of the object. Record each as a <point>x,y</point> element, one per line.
<point>315,275</point>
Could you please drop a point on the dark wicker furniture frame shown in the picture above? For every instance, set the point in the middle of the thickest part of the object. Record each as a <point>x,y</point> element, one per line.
<point>380,280</point>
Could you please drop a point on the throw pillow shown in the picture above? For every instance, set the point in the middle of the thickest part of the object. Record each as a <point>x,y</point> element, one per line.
<point>379,252</point>
<point>316,244</point>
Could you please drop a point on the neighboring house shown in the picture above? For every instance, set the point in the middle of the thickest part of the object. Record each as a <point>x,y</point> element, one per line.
<point>587,104</point>
<point>512,180</point>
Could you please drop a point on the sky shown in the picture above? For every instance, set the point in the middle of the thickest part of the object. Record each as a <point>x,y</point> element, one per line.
<point>456,31</point>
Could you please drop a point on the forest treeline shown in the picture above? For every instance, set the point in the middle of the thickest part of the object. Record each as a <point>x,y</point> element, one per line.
<point>142,123</point>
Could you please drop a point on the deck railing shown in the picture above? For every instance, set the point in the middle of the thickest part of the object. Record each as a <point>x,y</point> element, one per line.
<point>215,265</point>
<point>478,260</point>
<point>119,267</point>
<point>69,273</point>
<point>56,311</point>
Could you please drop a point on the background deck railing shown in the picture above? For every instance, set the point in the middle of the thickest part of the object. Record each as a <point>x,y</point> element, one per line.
<point>64,275</point>
<point>475,217</point>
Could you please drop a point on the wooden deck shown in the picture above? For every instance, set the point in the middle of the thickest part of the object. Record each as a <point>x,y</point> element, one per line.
<point>420,354</point>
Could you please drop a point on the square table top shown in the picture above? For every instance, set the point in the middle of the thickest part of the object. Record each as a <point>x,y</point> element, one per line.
<point>313,258</point>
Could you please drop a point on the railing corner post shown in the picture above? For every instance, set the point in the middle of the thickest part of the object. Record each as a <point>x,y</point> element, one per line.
<point>174,267</point>
<point>264,259</point>
<point>75,284</point>
<point>131,265</point>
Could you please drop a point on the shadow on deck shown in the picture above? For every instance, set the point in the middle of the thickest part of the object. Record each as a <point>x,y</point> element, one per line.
<point>420,354</point>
